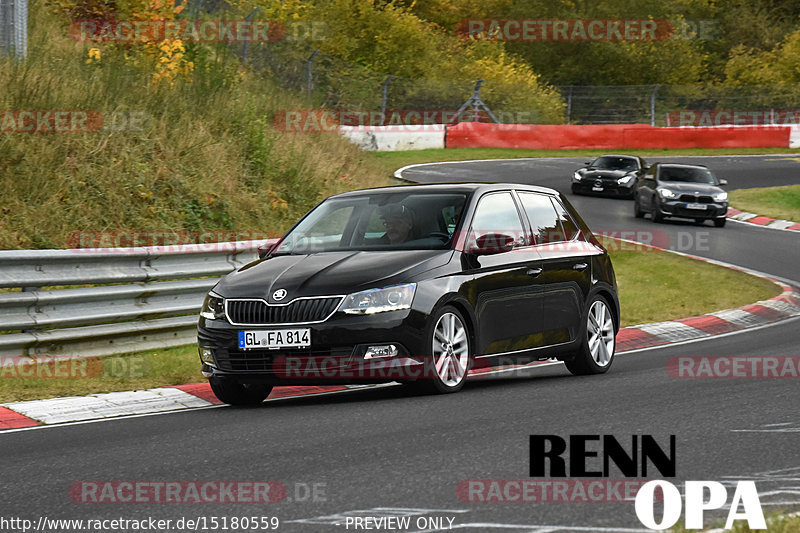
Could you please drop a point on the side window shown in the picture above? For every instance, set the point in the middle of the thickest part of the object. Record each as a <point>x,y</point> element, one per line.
<point>570,227</point>
<point>497,213</point>
<point>543,217</point>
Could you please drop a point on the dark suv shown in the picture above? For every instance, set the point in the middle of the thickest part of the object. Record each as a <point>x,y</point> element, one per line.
<point>685,191</point>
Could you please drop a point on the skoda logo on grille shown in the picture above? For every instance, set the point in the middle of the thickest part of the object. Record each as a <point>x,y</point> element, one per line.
<point>279,295</point>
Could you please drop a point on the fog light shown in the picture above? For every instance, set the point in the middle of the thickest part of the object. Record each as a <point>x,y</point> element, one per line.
<point>384,350</point>
<point>207,356</point>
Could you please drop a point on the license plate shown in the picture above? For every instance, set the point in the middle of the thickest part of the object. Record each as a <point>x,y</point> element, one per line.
<point>275,338</point>
<point>696,206</point>
<point>598,189</point>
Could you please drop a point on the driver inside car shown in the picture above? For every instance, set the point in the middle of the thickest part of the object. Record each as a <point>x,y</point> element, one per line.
<point>399,223</point>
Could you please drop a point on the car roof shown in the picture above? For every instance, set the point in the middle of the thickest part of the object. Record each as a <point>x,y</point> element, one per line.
<point>681,165</point>
<point>467,187</point>
<point>619,155</point>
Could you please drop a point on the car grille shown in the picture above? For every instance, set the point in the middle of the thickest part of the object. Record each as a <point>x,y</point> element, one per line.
<point>696,199</point>
<point>259,313</point>
<point>277,362</point>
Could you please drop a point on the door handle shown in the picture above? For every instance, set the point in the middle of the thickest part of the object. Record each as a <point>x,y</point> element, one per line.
<point>579,266</point>
<point>534,272</point>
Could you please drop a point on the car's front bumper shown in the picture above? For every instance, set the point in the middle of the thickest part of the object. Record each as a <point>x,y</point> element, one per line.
<point>608,187</point>
<point>678,208</point>
<point>336,354</point>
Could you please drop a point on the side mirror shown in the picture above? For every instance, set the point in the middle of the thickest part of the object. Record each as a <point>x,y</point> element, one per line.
<point>493,243</point>
<point>265,249</point>
<point>722,183</point>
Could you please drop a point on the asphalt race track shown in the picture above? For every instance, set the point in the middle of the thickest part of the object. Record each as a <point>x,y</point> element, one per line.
<point>383,448</point>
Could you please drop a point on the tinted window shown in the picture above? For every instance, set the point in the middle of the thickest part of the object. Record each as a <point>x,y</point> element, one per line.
<point>543,217</point>
<point>615,163</point>
<point>688,175</point>
<point>569,226</point>
<point>421,221</point>
<point>497,213</point>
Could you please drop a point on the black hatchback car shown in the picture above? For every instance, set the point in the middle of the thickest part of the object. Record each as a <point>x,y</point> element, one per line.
<point>416,284</point>
<point>685,191</point>
<point>609,175</point>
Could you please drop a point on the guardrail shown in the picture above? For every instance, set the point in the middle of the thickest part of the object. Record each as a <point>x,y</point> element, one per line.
<point>126,299</point>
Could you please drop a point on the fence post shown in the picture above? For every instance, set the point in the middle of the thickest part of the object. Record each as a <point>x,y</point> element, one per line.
<point>385,97</point>
<point>246,41</point>
<point>569,105</point>
<point>14,27</point>
<point>308,72</point>
<point>653,105</point>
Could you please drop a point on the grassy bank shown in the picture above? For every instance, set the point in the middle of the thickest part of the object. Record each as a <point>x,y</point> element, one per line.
<point>198,155</point>
<point>654,286</point>
<point>774,202</point>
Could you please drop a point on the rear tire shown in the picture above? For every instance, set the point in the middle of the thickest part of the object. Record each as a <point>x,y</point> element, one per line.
<point>720,222</point>
<point>598,340</point>
<point>235,393</point>
<point>449,356</point>
<point>575,190</point>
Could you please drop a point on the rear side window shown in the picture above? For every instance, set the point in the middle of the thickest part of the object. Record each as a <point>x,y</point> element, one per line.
<point>570,228</point>
<point>543,217</point>
<point>497,213</point>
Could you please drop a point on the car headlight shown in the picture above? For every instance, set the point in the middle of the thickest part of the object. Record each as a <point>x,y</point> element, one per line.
<point>626,179</point>
<point>721,197</point>
<point>213,307</point>
<point>576,176</point>
<point>666,193</point>
<point>379,300</point>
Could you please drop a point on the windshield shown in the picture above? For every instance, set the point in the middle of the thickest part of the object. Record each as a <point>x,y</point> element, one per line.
<point>688,175</point>
<point>378,221</point>
<point>608,162</point>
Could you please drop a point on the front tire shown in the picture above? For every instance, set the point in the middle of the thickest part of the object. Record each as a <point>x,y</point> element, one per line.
<point>235,393</point>
<point>720,222</point>
<point>450,353</point>
<point>637,209</point>
<point>575,189</point>
<point>598,342</point>
<point>655,213</point>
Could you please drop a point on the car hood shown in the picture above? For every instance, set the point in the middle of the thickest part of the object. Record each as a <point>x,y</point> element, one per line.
<point>598,173</point>
<point>683,187</point>
<point>328,273</point>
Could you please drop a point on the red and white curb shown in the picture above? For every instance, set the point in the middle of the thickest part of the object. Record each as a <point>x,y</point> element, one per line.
<point>759,220</point>
<point>32,413</point>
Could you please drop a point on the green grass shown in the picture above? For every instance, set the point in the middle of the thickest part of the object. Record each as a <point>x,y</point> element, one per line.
<point>774,202</point>
<point>144,370</point>
<point>654,286</point>
<point>776,523</point>
<point>390,161</point>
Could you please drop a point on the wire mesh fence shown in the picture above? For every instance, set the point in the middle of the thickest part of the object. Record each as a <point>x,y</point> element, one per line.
<point>333,83</point>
